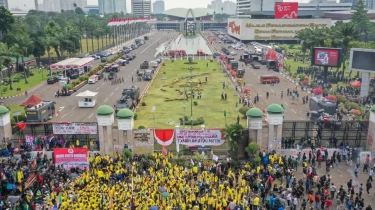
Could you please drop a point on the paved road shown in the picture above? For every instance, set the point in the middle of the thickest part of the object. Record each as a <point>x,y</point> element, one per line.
<point>108,94</point>
<point>294,109</point>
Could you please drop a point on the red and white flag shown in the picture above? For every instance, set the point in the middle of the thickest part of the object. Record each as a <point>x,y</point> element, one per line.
<point>164,151</point>
<point>57,113</point>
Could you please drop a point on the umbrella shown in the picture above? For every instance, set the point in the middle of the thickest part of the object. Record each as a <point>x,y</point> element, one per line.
<point>154,208</point>
<point>318,91</point>
<point>356,84</point>
<point>165,194</point>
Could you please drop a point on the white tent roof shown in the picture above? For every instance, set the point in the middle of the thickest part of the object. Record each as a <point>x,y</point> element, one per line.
<point>87,93</point>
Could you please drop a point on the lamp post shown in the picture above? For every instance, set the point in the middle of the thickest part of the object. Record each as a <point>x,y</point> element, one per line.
<point>191,96</point>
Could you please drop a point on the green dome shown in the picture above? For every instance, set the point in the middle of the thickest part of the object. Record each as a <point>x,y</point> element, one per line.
<point>125,113</point>
<point>254,113</point>
<point>104,110</point>
<point>372,108</point>
<point>3,110</point>
<point>275,109</point>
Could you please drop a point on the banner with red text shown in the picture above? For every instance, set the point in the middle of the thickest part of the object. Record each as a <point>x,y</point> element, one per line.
<point>71,157</point>
<point>284,10</point>
<point>200,137</point>
<point>75,128</point>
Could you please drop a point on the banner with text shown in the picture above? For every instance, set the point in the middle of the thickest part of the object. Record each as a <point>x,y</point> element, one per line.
<point>143,142</point>
<point>284,10</point>
<point>71,157</point>
<point>200,137</point>
<point>75,128</point>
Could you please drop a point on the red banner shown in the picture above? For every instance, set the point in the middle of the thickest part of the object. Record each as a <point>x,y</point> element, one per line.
<point>71,157</point>
<point>286,10</point>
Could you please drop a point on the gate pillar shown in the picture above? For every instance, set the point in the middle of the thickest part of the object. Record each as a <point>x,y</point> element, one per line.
<point>255,123</point>
<point>275,115</point>
<point>125,122</point>
<point>371,132</point>
<point>5,123</point>
<point>105,118</point>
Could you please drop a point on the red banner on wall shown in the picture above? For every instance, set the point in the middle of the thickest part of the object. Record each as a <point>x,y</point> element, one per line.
<point>71,157</point>
<point>286,10</point>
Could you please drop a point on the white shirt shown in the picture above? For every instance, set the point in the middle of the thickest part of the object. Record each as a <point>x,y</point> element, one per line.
<point>289,197</point>
<point>295,201</point>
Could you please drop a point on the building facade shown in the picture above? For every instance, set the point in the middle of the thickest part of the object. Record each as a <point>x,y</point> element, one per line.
<point>4,3</point>
<point>141,8</point>
<point>158,7</point>
<point>112,6</point>
<point>58,5</point>
<point>271,29</point>
<point>229,7</point>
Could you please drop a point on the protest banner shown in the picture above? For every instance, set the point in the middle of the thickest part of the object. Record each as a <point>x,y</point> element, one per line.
<point>71,157</point>
<point>199,137</point>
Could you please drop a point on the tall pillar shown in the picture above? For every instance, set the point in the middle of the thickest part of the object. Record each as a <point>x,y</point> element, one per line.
<point>371,132</point>
<point>125,122</point>
<point>365,86</point>
<point>5,123</point>
<point>275,115</point>
<point>254,124</point>
<point>105,118</point>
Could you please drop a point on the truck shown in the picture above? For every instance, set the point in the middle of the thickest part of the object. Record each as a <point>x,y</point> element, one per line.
<point>41,112</point>
<point>130,98</point>
<point>125,102</point>
<point>245,58</point>
<point>322,105</point>
<point>271,64</point>
<point>108,68</point>
<point>148,75</point>
<point>144,65</point>
<point>234,64</point>
<point>145,37</point>
<point>116,68</point>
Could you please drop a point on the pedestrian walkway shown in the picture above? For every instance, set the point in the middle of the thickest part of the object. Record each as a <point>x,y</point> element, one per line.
<point>191,44</point>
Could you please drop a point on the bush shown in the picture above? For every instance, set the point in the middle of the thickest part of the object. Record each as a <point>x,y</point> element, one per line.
<point>81,78</point>
<point>190,59</point>
<point>85,78</point>
<point>211,60</point>
<point>141,127</point>
<point>195,103</point>
<point>144,103</point>
<point>198,121</point>
<point>243,110</point>
<point>163,64</point>
<point>291,46</point>
<point>135,116</point>
<point>5,89</point>
<point>31,74</point>
<point>75,82</point>
<point>301,77</point>
<point>91,73</point>
<point>20,118</point>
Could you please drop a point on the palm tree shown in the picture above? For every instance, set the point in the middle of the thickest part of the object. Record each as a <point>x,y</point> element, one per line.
<point>93,26</point>
<point>303,35</point>
<point>233,133</point>
<point>48,43</point>
<point>63,39</point>
<point>6,53</point>
<point>24,44</point>
<point>80,24</point>
<point>346,32</point>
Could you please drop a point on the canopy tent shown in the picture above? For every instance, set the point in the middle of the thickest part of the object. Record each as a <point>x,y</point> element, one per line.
<point>87,93</point>
<point>32,101</point>
<point>356,84</point>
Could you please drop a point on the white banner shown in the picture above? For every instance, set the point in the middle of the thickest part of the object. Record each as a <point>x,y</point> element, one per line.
<point>199,137</point>
<point>75,128</point>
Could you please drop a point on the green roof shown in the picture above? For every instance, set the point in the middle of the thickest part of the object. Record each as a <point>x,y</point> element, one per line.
<point>275,109</point>
<point>373,108</point>
<point>181,12</point>
<point>3,110</point>
<point>104,110</point>
<point>125,113</point>
<point>254,113</point>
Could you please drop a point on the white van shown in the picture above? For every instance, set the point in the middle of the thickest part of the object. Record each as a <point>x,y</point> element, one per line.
<point>258,51</point>
<point>93,79</point>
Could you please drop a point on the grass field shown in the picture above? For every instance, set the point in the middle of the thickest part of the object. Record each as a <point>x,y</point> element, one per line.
<point>89,44</point>
<point>168,84</point>
<point>12,109</point>
<point>34,80</point>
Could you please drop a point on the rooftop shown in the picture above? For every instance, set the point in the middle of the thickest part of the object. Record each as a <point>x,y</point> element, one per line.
<point>181,12</point>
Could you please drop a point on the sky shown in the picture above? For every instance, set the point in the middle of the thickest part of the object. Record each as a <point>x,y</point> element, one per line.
<point>169,4</point>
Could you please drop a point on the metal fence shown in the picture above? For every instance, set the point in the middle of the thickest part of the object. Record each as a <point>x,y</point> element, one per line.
<point>350,133</point>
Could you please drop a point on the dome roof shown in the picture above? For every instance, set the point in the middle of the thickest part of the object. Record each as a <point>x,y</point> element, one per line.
<point>373,108</point>
<point>275,109</point>
<point>3,110</point>
<point>254,113</point>
<point>104,110</point>
<point>125,113</point>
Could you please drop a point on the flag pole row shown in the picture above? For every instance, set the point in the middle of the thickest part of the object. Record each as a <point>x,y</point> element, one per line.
<point>127,21</point>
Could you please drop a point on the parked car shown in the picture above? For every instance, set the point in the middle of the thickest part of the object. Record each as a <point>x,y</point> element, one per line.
<point>96,57</point>
<point>60,76</point>
<point>233,53</point>
<point>100,75</point>
<point>52,80</point>
<point>103,59</point>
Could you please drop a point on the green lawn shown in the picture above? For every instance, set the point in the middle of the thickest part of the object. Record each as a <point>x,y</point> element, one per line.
<point>34,80</point>
<point>168,84</point>
<point>12,108</point>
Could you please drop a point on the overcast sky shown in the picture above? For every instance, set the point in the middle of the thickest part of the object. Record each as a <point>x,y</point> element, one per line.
<point>169,4</point>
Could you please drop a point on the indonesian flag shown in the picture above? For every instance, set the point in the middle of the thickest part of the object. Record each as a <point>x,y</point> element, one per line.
<point>165,152</point>
<point>118,22</point>
<point>132,21</point>
<point>110,23</point>
<point>127,21</point>
<point>57,113</point>
<point>3,177</point>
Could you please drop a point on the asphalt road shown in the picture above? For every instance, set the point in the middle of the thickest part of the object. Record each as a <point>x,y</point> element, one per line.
<point>294,109</point>
<point>108,94</point>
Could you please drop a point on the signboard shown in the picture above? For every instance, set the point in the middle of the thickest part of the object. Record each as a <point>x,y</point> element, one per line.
<point>362,60</point>
<point>71,157</point>
<point>75,128</point>
<point>271,29</point>
<point>200,149</point>
<point>199,137</point>
<point>143,142</point>
<point>286,10</point>
<point>330,57</point>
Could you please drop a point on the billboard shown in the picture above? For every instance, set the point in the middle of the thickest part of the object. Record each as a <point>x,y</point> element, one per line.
<point>75,128</point>
<point>234,27</point>
<point>284,10</point>
<point>362,60</point>
<point>200,137</point>
<point>71,157</point>
<point>330,57</point>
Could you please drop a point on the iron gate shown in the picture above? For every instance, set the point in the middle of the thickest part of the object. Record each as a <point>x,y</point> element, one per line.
<point>350,133</point>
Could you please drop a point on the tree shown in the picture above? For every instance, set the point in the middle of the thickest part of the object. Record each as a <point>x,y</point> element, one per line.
<point>6,54</point>
<point>243,110</point>
<point>25,45</point>
<point>79,11</point>
<point>51,29</point>
<point>233,133</point>
<point>48,42</point>
<point>39,48</point>
<point>6,20</point>
<point>361,20</point>
<point>252,149</point>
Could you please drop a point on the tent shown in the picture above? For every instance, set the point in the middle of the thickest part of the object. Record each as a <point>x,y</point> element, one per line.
<point>32,101</point>
<point>87,93</point>
<point>356,84</point>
